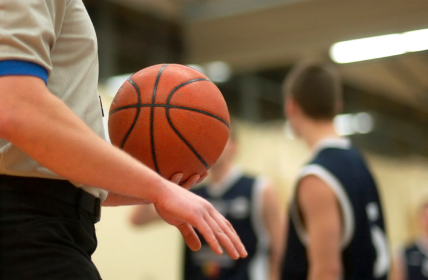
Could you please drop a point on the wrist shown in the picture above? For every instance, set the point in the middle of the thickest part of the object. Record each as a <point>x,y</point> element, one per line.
<point>156,189</point>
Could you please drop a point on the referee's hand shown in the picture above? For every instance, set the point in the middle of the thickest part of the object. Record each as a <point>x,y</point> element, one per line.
<point>186,211</point>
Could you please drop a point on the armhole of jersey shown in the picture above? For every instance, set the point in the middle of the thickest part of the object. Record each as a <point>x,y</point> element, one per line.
<point>258,268</point>
<point>21,68</point>
<point>345,205</point>
<point>421,248</point>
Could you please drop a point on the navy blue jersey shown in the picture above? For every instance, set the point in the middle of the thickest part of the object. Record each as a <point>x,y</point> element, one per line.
<point>240,203</point>
<point>365,253</point>
<point>415,258</point>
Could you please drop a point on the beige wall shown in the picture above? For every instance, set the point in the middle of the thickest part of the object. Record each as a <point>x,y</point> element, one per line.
<point>153,253</point>
<point>129,253</point>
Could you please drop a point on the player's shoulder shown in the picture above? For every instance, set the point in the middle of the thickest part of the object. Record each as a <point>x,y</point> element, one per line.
<point>411,246</point>
<point>247,178</point>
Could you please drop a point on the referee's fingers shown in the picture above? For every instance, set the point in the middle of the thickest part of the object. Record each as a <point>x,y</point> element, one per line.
<point>223,238</point>
<point>205,229</point>
<point>218,233</point>
<point>228,238</point>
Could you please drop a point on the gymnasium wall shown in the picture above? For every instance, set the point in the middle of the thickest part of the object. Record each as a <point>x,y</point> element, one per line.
<point>153,252</point>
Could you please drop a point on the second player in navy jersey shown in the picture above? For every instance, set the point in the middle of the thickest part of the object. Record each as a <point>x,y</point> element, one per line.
<point>336,228</point>
<point>239,200</point>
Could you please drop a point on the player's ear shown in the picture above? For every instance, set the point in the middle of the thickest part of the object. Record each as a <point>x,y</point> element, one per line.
<point>290,106</point>
<point>339,106</point>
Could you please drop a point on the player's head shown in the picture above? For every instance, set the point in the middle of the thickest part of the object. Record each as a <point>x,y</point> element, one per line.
<point>312,90</point>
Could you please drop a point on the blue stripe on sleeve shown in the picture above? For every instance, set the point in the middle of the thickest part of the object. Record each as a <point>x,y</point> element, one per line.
<point>20,67</point>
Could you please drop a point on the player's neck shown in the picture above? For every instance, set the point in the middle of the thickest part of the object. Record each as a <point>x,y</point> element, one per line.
<point>315,131</point>
<point>423,240</point>
<point>218,173</point>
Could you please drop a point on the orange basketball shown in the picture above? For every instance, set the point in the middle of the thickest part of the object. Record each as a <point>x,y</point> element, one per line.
<point>172,118</point>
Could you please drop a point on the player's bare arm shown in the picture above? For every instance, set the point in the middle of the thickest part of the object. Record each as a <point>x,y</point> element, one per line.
<point>42,126</point>
<point>322,219</point>
<point>274,223</point>
<point>397,271</point>
<point>144,214</point>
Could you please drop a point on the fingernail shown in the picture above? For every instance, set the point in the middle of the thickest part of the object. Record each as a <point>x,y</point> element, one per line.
<point>245,251</point>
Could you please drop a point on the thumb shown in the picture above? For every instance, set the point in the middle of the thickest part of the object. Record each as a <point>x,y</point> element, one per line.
<point>190,236</point>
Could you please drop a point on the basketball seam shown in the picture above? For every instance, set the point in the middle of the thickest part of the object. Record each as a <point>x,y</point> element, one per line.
<point>199,111</point>
<point>136,115</point>
<point>152,116</point>
<point>138,106</point>
<point>175,129</point>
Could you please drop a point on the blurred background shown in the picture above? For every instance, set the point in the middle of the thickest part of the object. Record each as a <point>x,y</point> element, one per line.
<point>247,47</point>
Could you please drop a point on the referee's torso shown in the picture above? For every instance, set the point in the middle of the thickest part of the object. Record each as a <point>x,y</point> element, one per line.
<point>365,253</point>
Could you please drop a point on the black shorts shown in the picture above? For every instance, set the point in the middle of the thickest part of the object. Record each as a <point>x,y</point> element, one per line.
<point>44,237</point>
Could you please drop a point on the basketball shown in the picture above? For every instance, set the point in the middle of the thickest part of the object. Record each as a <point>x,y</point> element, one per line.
<point>172,118</point>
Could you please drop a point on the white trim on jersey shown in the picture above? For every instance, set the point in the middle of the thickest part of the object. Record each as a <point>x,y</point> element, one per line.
<point>219,189</point>
<point>345,204</point>
<point>258,267</point>
<point>338,143</point>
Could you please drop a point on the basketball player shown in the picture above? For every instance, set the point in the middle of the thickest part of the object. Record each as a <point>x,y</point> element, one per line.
<point>412,262</point>
<point>55,167</point>
<point>336,227</point>
<point>252,207</point>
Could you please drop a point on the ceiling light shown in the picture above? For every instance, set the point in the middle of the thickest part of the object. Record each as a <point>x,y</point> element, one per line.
<point>379,46</point>
<point>416,40</point>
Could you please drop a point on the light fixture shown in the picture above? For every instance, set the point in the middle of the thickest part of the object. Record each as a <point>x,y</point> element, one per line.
<point>379,46</point>
<point>349,124</point>
<point>217,71</point>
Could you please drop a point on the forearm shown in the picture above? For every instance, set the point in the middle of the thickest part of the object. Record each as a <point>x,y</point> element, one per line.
<point>114,199</point>
<point>274,265</point>
<point>331,272</point>
<point>274,223</point>
<point>276,250</point>
<point>144,214</point>
<point>49,132</point>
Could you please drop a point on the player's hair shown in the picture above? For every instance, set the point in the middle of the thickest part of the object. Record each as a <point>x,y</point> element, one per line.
<point>316,88</point>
